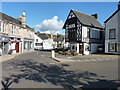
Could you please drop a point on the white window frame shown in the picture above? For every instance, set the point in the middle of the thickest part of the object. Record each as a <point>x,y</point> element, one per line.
<point>1,27</point>
<point>7,28</point>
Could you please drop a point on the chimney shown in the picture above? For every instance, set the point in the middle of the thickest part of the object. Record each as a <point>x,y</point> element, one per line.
<point>95,15</point>
<point>24,19</point>
<point>119,5</point>
<point>20,18</point>
<point>51,36</point>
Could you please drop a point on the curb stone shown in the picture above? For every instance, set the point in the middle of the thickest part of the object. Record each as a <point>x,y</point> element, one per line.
<point>67,60</point>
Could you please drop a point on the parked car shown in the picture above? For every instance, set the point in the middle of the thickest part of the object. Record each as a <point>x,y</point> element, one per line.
<point>100,49</point>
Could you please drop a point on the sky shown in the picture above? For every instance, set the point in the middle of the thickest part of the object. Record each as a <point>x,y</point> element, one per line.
<point>49,17</point>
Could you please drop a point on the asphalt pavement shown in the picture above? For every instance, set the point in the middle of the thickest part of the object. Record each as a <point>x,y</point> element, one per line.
<point>38,70</point>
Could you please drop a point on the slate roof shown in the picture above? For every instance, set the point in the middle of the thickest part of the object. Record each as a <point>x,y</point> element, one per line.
<point>43,36</point>
<point>58,39</point>
<point>5,17</point>
<point>9,18</point>
<point>86,19</point>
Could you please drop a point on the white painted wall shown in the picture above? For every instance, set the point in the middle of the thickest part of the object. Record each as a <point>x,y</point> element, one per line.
<point>106,45</point>
<point>12,46</point>
<point>48,44</point>
<point>77,47</point>
<point>39,41</point>
<point>84,31</point>
<point>119,26</point>
<point>66,44</point>
<point>84,34</point>
<point>111,24</point>
<point>84,51</point>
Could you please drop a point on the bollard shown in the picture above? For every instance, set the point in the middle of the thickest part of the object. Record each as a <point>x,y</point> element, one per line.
<point>53,53</point>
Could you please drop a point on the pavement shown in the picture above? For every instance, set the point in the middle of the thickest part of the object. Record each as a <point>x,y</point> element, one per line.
<point>11,56</point>
<point>7,57</point>
<point>84,58</point>
<point>38,70</point>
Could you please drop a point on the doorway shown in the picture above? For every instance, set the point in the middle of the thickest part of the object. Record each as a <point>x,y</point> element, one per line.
<point>81,48</point>
<point>17,47</point>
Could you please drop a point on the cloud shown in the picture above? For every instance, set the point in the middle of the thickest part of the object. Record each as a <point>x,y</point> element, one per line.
<point>51,25</point>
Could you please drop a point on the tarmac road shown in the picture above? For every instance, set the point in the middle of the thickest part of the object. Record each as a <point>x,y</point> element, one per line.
<point>38,70</point>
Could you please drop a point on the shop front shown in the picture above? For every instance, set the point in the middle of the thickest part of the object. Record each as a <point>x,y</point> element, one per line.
<point>4,44</point>
<point>15,45</point>
<point>28,44</point>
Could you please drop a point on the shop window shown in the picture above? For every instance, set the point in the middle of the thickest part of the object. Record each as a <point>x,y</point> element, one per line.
<point>73,47</point>
<point>118,47</point>
<point>88,47</point>
<point>31,45</point>
<point>112,47</point>
<point>25,45</point>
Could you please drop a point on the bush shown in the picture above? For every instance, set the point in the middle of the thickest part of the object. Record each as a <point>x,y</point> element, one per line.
<point>74,53</point>
<point>60,52</point>
<point>67,53</point>
<point>59,45</point>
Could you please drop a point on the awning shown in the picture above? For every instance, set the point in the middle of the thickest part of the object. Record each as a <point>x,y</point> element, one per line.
<point>4,39</point>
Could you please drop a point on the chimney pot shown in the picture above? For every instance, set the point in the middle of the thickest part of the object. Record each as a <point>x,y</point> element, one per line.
<point>24,13</point>
<point>95,15</point>
<point>23,19</point>
<point>119,5</point>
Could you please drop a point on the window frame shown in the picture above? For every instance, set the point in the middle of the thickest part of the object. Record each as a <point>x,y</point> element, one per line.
<point>36,40</point>
<point>114,33</point>
<point>88,32</point>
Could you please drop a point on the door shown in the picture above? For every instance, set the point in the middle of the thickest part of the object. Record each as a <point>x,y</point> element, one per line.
<point>81,48</point>
<point>17,47</point>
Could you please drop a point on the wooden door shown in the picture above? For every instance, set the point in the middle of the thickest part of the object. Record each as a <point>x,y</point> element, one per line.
<point>17,47</point>
<point>81,49</point>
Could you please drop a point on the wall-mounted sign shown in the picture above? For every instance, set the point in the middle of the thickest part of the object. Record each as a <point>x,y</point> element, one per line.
<point>13,39</point>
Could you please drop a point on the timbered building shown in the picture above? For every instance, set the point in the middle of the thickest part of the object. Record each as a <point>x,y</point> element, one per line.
<point>83,32</point>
